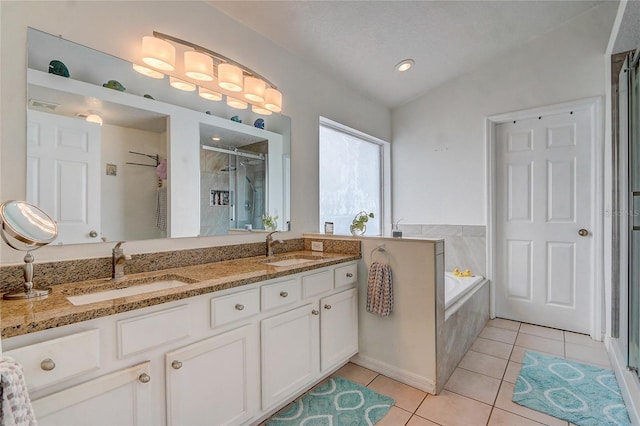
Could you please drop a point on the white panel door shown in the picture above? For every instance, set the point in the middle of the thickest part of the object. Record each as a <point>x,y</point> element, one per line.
<point>543,200</point>
<point>63,174</point>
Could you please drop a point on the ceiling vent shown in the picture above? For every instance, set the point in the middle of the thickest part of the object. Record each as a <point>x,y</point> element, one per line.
<point>38,104</point>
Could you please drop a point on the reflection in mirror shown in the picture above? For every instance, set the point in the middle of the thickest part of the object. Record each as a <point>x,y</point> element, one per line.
<point>26,227</point>
<point>100,181</point>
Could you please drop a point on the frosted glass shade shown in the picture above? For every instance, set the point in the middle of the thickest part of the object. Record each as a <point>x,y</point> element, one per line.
<point>94,118</point>
<point>273,100</point>
<point>158,53</point>
<point>181,84</point>
<point>254,89</point>
<point>147,71</point>
<point>236,103</point>
<point>260,110</point>
<point>198,66</point>
<point>230,77</point>
<point>209,94</point>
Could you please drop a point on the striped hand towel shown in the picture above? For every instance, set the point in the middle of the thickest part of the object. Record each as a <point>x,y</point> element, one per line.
<point>380,289</point>
<point>161,209</point>
<point>15,405</point>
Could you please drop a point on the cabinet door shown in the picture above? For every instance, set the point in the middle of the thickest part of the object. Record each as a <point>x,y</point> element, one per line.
<point>338,328</point>
<point>93,402</point>
<point>289,353</point>
<point>214,381</point>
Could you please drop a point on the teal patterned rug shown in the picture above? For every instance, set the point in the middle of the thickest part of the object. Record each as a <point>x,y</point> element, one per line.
<point>578,393</point>
<point>337,402</point>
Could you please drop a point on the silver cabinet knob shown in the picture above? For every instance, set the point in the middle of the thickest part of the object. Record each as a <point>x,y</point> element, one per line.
<point>327,306</point>
<point>93,234</point>
<point>144,378</point>
<point>583,232</point>
<point>283,294</point>
<point>239,306</point>
<point>349,275</point>
<point>315,312</point>
<point>176,365</point>
<point>47,364</point>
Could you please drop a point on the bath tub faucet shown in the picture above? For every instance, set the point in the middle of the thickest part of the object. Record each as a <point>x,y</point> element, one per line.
<point>270,241</point>
<point>117,262</point>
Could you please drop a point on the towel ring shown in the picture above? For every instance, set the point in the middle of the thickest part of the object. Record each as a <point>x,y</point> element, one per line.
<point>379,248</point>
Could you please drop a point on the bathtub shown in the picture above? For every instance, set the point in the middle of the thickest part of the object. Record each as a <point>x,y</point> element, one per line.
<point>455,288</point>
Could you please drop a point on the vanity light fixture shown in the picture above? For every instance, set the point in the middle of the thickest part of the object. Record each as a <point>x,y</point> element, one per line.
<point>403,66</point>
<point>236,103</point>
<point>94,117</point>
<point>208,94</point>
<point>176,83</point>
<point>201,64</point>
<point>148,71</point>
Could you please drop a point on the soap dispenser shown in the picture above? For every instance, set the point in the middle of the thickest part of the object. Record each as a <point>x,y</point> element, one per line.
<point>396,233</point>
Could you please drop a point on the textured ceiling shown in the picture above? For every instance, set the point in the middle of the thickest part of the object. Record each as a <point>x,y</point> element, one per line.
<point>359,42</point>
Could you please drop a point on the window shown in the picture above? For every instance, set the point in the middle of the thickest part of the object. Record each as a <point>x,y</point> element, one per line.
<point>353,174</point>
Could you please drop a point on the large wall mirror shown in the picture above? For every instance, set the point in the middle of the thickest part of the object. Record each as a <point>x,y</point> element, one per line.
<point>113,165</point>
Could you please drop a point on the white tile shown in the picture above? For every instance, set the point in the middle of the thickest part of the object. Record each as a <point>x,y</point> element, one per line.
<point>499,334</point>
<point>588,355</point>
<point>542,344</point>
<point>473,385</point>
<point>449,408</point>
<point>492,347</point>
<point>504,402</point>
<point>504,323</point>
<point>536,330</point>
<point>483,364</point>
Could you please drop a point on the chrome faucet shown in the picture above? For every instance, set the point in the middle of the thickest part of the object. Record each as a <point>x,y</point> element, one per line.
<point>117,262</point>
<point>270,241</point>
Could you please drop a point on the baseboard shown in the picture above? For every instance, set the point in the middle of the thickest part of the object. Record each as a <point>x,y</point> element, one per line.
<point>395,373</point>
<point>628,382</point>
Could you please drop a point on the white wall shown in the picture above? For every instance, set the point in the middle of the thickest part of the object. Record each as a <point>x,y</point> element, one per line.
<point>439,139</point>
<point>118,28</point>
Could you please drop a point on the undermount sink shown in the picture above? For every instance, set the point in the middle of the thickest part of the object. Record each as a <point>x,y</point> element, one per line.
<point>291,260</point>
<point>127,288</point>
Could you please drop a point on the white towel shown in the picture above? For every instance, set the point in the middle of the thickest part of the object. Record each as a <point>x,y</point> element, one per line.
<point>380,289</point>
<point>15,407</point>
<point>161,209</point>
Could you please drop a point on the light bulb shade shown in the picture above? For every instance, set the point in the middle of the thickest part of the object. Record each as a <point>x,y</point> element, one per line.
<point>94,118</point>
<point>176,83</point>
<point>259,110</point>
<point>147,71</point>
<point>230,77</point>
<point>209,94</point>
<point>158,53</point>
<point>273,100</point>
<point>236,103</point>
<point>254,89</point>
<point>198,66</point>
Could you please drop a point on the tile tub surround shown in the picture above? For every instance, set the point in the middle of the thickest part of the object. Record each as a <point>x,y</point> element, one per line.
<point>27,316</point>
<point>53,273</point>
<point>465,244</point>
<point>457,334</point>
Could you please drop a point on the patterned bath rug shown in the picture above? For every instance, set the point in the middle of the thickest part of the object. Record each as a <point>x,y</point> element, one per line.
<point>578,393</point>
<point>337,402</point>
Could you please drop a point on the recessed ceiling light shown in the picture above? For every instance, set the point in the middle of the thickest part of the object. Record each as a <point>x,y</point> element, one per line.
<point>215,138</point>
<point>405,65</point>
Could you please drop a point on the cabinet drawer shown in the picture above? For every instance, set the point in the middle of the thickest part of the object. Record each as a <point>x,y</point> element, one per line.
<point>151,330</point>
<point>281,293</point>
<point>59,359</point>
<point>317,283</point>
<point>345,275</point>
<point>234,307</point>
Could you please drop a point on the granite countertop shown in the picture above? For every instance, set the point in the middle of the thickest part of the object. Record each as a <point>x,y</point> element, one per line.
<point>27,316</point>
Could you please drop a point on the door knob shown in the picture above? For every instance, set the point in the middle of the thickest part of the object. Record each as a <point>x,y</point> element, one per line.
<point>315,312</point>
<point>176,365</point>
<point>93,234</point>
<point>583,232</point>
<point>47,364</point>
<point>144,378</point>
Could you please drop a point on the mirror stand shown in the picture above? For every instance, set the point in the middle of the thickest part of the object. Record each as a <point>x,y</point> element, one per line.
<point>29,291</point>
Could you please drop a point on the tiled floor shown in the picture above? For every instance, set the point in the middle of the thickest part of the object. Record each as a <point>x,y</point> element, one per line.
<point>480,389</point>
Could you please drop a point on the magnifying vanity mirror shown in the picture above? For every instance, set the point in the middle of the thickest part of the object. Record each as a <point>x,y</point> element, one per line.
<point>159,162</point>
<point>26,227</point>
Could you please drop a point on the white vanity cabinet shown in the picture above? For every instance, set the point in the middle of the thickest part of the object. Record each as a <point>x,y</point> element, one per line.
<point>226,358</point>
<point>213,382</point>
